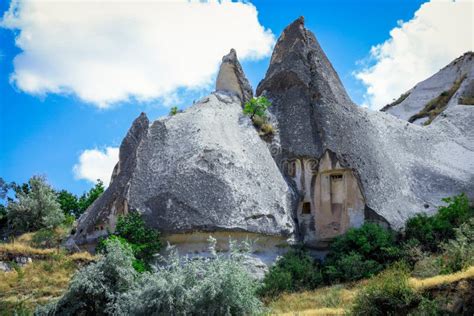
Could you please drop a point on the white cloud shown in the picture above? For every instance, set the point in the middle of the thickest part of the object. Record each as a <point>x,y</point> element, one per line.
<point>96,164</point>
<point>110,51</point>
<point>440,31</point>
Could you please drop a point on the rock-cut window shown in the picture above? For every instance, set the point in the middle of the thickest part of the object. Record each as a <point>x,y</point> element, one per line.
<point>306,209</point>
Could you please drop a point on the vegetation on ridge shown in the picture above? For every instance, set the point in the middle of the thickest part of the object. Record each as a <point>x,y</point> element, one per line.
<point>434,107</point>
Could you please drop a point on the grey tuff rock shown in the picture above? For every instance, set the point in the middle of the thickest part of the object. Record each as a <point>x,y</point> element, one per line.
<point>331,165</point>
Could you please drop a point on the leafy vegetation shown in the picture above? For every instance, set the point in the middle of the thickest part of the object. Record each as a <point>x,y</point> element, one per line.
<point>35,208</point>
<point>214,286</point>
<point>131,232</point>
<point>174,110</point>
<point>431,231</point>
<point>360,253</point>
<point>256,108</point>
<point>295,271</point>
<point>387,293</point>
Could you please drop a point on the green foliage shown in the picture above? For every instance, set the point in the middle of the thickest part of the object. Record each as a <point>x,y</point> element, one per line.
<point>88,198</point>
<point>256,107</point>
<point>96,289</point>
<point>294,271</point>
<point>143,241</point>
<point>68,202</point>
<point>174,110</point>
<point>47,238</point>
<point>218,285</point>
<point>388,293</point>
<point>361,252</point>
<point>431,231</point>
<point>458,253</point>
<point>35,208</point>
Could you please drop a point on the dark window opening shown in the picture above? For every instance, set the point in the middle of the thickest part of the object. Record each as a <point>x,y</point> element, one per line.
<point>306,209</point>
<point>336,177</point>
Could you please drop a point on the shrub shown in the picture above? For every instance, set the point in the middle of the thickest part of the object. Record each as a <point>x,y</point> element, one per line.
<point>218,285</point>
<point>369,248</point>
<point>256,107</point>
<point>294,271</point>
<point>428,266</point>
<point>458,253</point>
<point>144,241</point>
<point>173,111</point>
<point>88,198</point>
<point>95,289</point>
<point>351,267</point>
<point>35,208</point>
<point>388,293</point>
<point>47,238</point>
<point>267,129</point>
<point>431,231</point>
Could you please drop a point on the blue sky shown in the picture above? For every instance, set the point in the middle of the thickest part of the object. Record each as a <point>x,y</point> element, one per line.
<point>46,134</point>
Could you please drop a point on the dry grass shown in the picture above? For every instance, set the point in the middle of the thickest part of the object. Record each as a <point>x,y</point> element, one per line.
<point>337,299</point>
<point>423,284</point>
<point>433,108</point>
<point>331,299</point>
<point>47,277</point>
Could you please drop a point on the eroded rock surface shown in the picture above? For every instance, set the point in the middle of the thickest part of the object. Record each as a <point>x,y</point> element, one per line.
<point>205,169</point>
<point>458,76</point>
<point>401,169</point>
<point>330,165</point>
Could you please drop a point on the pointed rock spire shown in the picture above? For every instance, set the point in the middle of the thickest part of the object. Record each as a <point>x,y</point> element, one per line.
<point>299,59</point>
<point>231,77</point>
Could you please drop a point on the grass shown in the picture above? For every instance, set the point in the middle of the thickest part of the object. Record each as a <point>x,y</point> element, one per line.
<point>396,102</point>
<point>466,100</point>
<point>338,299</point>
<point>428,283</point>
<point>434,107</point>
<point>46,278</point>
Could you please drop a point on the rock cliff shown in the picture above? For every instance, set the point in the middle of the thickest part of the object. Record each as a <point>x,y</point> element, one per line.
<point>330,165</point>
<point>451,87</point>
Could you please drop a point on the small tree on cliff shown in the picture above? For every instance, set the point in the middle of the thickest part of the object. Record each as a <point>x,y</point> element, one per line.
<point>256,107</point>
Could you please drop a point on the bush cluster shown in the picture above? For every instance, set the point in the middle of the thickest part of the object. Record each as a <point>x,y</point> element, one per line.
<point>143,241</point>
<point>218,285</point>
<point>443,243</point>
<point>360,253</point>
<point>431,231</point>
<point>256,108</point>
<point>295,271</point>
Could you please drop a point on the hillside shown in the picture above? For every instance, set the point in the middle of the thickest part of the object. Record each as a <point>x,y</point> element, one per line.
<point>452,86</point>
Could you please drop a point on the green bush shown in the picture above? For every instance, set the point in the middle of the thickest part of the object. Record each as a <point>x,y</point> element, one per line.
<point>431,231</point>
<point>46,238</point>
<point>294,271</point>
<point>144,241</point>
<point>173,111</point>
<point>388,293</point>
<point>458,253</point>
<point>218,285</point>
<point>361,252</point>
<point>96,289</point>
<point>256,107</point>
<point>35,207</point>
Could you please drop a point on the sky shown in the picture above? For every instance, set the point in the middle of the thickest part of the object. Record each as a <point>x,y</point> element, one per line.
<point>74,75</point>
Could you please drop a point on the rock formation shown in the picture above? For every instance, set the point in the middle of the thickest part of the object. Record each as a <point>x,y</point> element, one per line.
<point>203,170</point>
<point>330,165</point>
<point>452,86</point>
<point>349,164</point>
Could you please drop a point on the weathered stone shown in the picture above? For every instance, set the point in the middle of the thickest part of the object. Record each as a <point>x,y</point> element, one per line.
<point>231,78</point>
<point>390,169</point>
<point>330,165</point>
<point>461,70</point>
<point>204,169</point>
